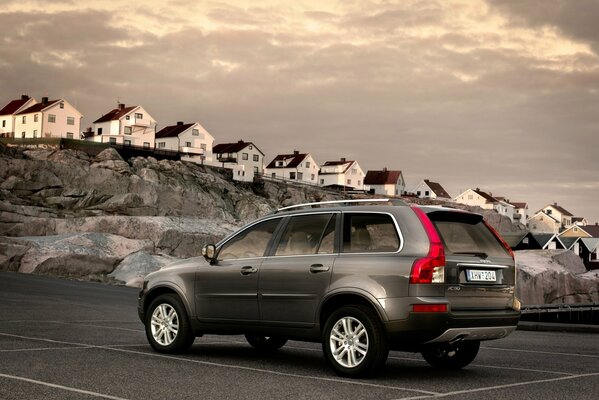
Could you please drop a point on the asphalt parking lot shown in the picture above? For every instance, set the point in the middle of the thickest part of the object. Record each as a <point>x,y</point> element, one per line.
<point>62,339</point>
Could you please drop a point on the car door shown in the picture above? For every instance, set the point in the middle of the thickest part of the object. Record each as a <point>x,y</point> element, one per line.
<point>296,275</point>
<point>227,291</point>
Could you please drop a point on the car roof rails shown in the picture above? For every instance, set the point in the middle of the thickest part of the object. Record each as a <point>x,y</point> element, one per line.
<point>393,202</point>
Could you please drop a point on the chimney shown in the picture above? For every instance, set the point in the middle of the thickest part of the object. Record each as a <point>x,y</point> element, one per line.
<point>426,180</point>
<point>24,97</point>
<point>240,141</point>
<point>121,106</point>
<point>295,152</point>
<point>384,169</point>
<point>44,100</point>
<point>179,123</point>
<point>343,159</point>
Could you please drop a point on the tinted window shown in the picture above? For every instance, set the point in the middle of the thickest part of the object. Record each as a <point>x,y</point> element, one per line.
<point>308,234</point>
<point>363,233</point>
<point>250,243</point>
<point>467,236</point>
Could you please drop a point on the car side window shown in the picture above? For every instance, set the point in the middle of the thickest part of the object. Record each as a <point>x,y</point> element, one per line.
<point>250,243</point>
<point>308,234</point>
<point>369,233</point>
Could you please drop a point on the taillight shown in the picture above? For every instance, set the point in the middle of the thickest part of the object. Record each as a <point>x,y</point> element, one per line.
<point>430,269</point>
<point>500,239</point>
<point>424,308</point>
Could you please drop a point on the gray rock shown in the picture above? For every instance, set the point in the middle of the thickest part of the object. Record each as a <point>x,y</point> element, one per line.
<point>136,266</point>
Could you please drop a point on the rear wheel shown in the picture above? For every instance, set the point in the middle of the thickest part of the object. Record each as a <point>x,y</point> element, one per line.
<point>354,343</point>
<point>446,356</point>
<point>266,343</point>
<point>167,326</point>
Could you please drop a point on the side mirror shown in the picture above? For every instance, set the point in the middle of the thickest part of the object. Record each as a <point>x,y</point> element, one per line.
<point>209,253</point>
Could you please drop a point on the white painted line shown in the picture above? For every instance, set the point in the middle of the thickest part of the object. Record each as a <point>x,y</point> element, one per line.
<point>541,352</point>
<point>55,386</point>
<point>46,348</point>
<point>494,366</point>
<point>232,366</point>
<point>498,387</point>
<point>97,326</point>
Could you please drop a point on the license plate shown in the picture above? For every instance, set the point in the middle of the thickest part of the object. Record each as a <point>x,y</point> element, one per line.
<point>475,275</point>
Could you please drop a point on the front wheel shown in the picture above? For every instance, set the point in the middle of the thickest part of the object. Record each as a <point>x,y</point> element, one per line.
<point>266,343</point>
<point>167,327</point>
<point>354,343</point>
<point>445,356</point>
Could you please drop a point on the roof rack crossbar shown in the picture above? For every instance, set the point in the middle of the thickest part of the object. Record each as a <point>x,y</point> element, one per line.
<point>353,201</point>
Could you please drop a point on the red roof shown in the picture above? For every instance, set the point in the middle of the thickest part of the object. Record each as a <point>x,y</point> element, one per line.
<point>38,107</point>
<point>486,196</point>
<point>296,159</point>
<point>560,209</point>
<point>437,189</point>
<point>115,114</point>
<point>14,105</point>
<point>172,131</point>
<point>334,164</point>
<point>519,205</point>
<point>592,230</point>
<point>384,177</point>
<point>232,147</point>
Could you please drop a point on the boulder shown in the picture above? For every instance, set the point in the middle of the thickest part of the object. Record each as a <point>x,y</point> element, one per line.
<point>136,266</point>
<point>554,277</point>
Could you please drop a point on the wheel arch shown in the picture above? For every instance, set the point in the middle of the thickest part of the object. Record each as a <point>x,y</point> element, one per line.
<point>346,297</point>
<point>161,289</point>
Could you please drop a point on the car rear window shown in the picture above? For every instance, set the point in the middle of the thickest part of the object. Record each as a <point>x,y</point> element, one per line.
<point>467,234</point>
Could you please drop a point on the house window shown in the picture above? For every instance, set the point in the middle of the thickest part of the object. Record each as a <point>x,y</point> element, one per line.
<point>470,197</point>
<point>322,181</point>
<point>251,147</point>
<point>426,192</point>
<point>279,163</point>
<point>354,170</point>
<point>127,143</point>
<point>575,229</point>
<point>35,117</point>
<point>69,135</point>
<point>24,119</point>
<point>4,123</point>
<point>99,131</point>
<point>244,156</point>
<point>203,146</point>
<point>161,145</point>
<point>23,135</point>
<point>274,175</point>
<point>359,183</point>
<point>349,181</point>
<point>70,120</point>
<point>146,145</point>
<point>195,132</point>
<point>139,116</point>
<point>418,193</point>
<point>256,157</point>
<point>127,118</point>
<point>35,133</point>
<point>312,177</point>
<point>127,130</point>
<point>525,240</point>
<point>548,212</point>
<point>291,174</point>
<point>255,170</point>
<point>187,144</point>
<point>112,140</point>
<point>307,164</point>
<point>300,176</point>
<point>61,105</point>
<point>51,118</point>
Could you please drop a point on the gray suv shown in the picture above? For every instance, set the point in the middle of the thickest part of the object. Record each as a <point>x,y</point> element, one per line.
<point>361,277</point>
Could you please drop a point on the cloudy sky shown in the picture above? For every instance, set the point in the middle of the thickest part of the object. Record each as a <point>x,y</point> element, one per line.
<point>497,94</point>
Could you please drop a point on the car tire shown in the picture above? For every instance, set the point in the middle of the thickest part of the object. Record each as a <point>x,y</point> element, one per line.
<point>457,356</point>
<point>266,343</point>
<point>167,325</point>
<point>354,342</point>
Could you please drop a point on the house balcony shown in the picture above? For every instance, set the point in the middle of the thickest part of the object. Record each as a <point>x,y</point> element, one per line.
<point>226,159</point>
<point>192,151</point>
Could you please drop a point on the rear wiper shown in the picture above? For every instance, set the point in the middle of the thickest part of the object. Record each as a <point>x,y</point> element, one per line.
<point>480,254</point>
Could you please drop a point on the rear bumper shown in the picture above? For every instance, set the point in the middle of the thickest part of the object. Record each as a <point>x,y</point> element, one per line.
<point>419,329</point>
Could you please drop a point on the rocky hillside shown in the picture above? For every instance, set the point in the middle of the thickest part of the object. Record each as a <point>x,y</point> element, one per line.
<point>65,213</point>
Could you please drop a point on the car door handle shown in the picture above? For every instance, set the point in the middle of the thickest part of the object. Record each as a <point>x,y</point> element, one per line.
<point>316,268</point>
<point>248,270</point>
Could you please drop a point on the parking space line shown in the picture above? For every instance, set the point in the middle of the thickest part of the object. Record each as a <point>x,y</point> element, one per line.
<point>498,387</point>
<point>493,366</point>
<point>45,348</point>
<point>232,366</point>
<point>541,352</point>
<point>97,326</point>
<point>55,386</point>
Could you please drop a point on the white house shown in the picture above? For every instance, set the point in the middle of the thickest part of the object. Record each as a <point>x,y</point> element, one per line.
<point>295,167</point>
<point>520,212</point>
<point>505,208</point>
<point>8,112</point>
<point>128,126</point>
<point>543,223</point>
<point>428,189</point>
<point>48,119</point>
<point>343,173</point>
<point>386,182</point>
<point>476,197</point>
<point>191,140</point>
<point>559,213</point>
<point>580,221</point>
<point>244,158</point>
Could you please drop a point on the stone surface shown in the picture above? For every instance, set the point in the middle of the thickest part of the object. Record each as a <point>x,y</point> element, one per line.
<point>136,266</point>
<point>554,277</point>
